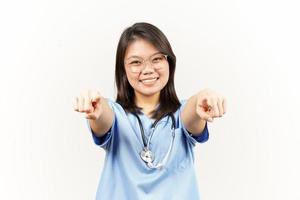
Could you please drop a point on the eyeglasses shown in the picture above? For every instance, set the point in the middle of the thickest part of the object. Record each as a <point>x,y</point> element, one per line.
<point>137,64</point>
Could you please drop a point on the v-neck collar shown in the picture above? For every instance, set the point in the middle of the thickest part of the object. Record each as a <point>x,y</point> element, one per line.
<point>149,121</point>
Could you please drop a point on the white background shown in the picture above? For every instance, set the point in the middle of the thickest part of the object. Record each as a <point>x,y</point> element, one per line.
<point>248,51</point>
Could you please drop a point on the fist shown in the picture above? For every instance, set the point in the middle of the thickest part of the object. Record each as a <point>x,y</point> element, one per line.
<point>210,105</point>
<point>89,102</point>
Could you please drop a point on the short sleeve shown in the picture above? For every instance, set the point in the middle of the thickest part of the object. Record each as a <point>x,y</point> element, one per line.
<point>104,141</point>
<point>203,137</point>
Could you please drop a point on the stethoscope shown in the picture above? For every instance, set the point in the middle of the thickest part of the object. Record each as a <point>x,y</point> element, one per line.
<point>146,154</point>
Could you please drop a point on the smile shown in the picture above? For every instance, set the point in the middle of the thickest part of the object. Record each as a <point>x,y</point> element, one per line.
<point>149,81</point>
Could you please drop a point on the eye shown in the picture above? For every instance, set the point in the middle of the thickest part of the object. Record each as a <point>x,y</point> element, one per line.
<point>157,59</point>
<point>135,62</point>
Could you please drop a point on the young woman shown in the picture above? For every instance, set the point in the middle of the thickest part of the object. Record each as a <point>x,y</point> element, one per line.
<point>147,133</point>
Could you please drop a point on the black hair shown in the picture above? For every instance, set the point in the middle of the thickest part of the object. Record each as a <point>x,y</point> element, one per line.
<point>168,101</point>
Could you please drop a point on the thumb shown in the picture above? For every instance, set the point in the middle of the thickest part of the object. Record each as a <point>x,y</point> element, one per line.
<point>96,98</point>
<point>96,103</point>
<point>207,117</point>
<point>204,115</point>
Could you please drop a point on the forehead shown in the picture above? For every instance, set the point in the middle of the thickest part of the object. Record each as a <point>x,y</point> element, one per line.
<point>140,48</point>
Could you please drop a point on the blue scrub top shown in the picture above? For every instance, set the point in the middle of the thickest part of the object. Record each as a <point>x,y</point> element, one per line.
<point>125,176</point>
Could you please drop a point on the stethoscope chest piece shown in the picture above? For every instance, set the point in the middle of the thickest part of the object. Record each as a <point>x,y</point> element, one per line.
<point>147,155</point>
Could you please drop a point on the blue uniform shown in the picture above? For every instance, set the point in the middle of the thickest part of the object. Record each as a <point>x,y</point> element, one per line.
<point>125,176</point>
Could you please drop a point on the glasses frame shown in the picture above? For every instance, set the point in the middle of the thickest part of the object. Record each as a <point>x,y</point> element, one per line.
<point>143,63</point>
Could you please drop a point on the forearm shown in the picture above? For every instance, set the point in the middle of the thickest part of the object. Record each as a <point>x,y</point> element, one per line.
<point>192,121</point>
<point>101,125</point>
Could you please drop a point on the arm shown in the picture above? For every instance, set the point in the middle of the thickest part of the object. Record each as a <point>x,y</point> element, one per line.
<point>98,112</point>
<point>191,120</point>
<point>103,123</point>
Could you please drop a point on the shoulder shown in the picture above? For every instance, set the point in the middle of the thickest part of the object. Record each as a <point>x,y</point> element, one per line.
<point>113,104</point>
<point>116,107</point>
<point>182,104</point>
<point>183,101</point>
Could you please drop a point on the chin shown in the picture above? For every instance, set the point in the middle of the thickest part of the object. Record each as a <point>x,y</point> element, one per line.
<point>148,91</point>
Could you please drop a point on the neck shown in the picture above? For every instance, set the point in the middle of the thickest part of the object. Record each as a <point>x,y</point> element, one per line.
<point>147,102</point>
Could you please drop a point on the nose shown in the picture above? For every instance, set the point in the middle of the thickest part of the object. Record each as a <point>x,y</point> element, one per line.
<point>147,67</point>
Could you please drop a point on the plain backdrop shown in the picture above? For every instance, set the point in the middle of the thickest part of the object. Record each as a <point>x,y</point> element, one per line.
<point>248,51</point>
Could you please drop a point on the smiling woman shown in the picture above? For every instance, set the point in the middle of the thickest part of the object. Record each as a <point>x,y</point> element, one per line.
<point>147,133</point>
<point>139,45</point>
<point>146,80</point>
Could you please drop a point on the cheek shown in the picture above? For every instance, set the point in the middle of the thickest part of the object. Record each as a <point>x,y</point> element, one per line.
<point>129,77</point>
<point>133,80</point>
<point>165,76</point>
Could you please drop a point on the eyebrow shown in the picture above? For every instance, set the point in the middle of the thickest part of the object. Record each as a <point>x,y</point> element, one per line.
<point>134,56</point>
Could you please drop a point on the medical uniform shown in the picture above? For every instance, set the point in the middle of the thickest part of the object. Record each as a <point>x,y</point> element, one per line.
<point>125,176</point>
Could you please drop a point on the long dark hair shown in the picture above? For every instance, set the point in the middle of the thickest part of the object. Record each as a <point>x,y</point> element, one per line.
<point>125,93</point>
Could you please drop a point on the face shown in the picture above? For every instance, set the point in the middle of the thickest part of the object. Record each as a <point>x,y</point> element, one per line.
<point>155,69</point>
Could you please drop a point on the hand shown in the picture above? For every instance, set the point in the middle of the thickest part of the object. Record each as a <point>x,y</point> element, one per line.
<point>210,105</point>
<point>89,102</point>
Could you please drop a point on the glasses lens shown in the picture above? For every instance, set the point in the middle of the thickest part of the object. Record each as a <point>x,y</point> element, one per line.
<point>134,64</point>
<point>157,59</point>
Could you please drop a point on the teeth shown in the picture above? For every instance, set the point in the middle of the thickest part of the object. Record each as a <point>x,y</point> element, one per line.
<point>149,81</point>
